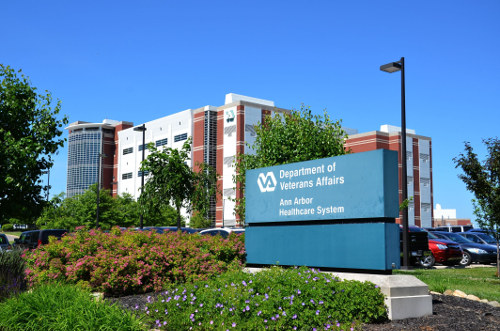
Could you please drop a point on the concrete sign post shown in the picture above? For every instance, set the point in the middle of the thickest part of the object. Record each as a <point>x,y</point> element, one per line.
<point>337,212</point>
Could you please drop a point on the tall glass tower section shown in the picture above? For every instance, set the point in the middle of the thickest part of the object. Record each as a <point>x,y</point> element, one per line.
<point>84,148</point>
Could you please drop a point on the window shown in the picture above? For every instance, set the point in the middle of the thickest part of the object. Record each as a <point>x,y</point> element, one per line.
<point>180,137</point>
<point>128,175</point>
<point>161,142</point>
<point>139,174</point>
<point>128,150</point>
<point>425,182</point>
<point>141,147</point>
<point>425,206</point>
<point>424,157</point>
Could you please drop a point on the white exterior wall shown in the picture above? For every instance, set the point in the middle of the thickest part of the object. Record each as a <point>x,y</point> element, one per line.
<point>253,116</point>
<point>410,178</point>
<point>444,214</point>
<point>228,170</point>
<point>165,127</point>
<point>425,182</point>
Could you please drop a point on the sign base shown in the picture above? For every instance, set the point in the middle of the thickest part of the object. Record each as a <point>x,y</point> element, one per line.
<point>354,246</point>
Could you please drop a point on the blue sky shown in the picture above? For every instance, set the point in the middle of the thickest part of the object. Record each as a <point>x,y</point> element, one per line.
<point>140,60</point>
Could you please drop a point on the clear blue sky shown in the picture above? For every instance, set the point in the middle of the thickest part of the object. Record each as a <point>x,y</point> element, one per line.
<point>140,60</point>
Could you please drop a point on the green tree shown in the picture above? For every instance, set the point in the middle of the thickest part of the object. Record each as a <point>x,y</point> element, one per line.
<point>483,180</point>
<point>286,138</point>
<point>199,221</point>
<point>173,181</point>
<point>80,210</point>
<point>29,132</point>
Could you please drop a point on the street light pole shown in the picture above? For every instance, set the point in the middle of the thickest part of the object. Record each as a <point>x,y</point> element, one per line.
<point>143,129</point>
<point>98,185</point>
<point>390,68</point>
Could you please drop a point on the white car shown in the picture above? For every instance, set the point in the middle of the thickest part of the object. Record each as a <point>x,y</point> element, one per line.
<point>223,232</point>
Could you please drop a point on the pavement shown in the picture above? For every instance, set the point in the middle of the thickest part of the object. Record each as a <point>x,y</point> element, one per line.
<point>11,237</point>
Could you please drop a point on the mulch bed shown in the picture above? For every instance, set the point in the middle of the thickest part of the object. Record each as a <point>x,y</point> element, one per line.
<point>450,313</point>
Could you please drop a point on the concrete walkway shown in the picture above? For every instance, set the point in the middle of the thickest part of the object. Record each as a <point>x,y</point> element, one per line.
<point>11,238</point>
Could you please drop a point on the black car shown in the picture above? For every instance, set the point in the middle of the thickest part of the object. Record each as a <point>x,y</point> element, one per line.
<point>479,238</point>
<point>163,229</point>
<point>472,252</point>
<point>33,239</point>
<point>418,244</point>
<point>4,242</point>
<point>223,232</point>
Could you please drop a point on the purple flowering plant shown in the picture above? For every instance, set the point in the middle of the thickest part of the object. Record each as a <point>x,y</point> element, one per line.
<point>275,302</point>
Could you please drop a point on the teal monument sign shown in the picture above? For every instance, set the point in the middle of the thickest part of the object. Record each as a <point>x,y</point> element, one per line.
<point>337,212</point>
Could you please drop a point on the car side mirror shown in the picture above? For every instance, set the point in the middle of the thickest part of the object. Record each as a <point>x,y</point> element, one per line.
<point>16,241</point>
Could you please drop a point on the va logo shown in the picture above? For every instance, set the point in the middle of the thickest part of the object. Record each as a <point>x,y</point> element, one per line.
<point>267,182</point>
<point>230,115</point>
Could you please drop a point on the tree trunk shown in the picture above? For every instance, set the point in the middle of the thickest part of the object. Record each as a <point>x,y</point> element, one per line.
<point>178,218</point>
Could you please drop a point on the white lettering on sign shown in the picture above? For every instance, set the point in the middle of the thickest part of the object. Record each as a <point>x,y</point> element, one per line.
<point>302,172</point>
<point>296,211</point>
<point>329,210</point>
<point>328,181</point>
<point>284,202</point>
<point>303,201</point>
<point>296,185</point>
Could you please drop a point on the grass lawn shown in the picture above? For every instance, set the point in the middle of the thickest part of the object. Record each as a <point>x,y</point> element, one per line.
<point>480,282</point>
<point>13,233</point>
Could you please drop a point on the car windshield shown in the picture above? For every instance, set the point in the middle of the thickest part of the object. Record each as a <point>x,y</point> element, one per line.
<point>432,236</point>
<point>457,238</point>
<point>486,237</point>
<point>3,240</point>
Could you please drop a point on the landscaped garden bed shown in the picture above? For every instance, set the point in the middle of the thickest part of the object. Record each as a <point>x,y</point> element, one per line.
<point>190,281</point>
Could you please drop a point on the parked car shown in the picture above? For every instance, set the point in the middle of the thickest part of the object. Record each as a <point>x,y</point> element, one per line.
<point>33,239</point>
<point>162,229</point>
<point>479,238</point>
<point>472,252</point>
<point>224,232</point>
<point>453,228</point>
<point>443,251</point>
<point>4,243</point>
<point>418,246</point>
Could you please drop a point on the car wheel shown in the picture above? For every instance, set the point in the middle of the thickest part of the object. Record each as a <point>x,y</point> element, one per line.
<point>466,259</point>
<point>427,261</point>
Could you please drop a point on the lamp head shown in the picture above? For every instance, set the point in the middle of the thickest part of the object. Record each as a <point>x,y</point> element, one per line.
<point>140,128</point>
<point>391,67</point>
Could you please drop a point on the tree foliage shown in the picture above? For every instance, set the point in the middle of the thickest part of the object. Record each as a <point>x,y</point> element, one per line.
<point>172,181</point>
<point>483,180</point>
<point>286,138</point>
<point>80,210</point>
<point>29,132</point>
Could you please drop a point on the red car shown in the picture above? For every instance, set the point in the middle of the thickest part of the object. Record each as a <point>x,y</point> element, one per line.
<point>443,251</point>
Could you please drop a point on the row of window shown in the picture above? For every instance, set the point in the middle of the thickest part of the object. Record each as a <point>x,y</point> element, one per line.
<point>180,137</point>
<point>128,175</point>
<point>158,143</point>
<point>129,150</point>
<point>423,157</point>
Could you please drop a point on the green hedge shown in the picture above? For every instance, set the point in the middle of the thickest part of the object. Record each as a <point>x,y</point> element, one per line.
<point>63,307</point>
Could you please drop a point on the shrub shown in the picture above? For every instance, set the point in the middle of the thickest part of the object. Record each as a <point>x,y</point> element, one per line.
<point>7,227</point>
<point>275,299</point>
<point>63,307</point>
<point>12,279</point>
<point>131,262</point>
<point>199,222</point>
